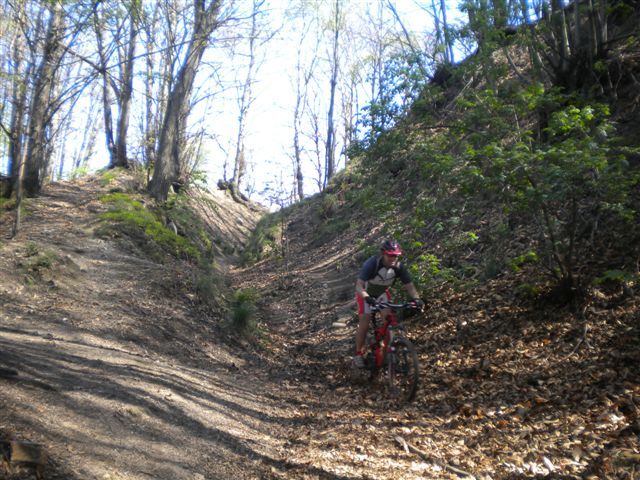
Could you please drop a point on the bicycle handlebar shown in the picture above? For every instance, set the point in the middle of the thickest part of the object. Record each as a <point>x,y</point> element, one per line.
<point>393,306</point>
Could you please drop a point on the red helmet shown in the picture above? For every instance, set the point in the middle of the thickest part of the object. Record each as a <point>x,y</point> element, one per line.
<point>391,247</point>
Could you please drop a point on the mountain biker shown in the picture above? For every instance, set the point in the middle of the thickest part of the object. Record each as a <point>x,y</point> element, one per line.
<point>376,276</point>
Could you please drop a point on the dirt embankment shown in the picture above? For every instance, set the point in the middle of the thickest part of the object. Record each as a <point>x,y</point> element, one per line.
<point>510,387</point>
<point>118,377</point>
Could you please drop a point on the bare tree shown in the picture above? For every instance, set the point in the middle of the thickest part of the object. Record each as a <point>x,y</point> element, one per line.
<point>153,87</point>
<point>330,145</point>
<point>407,37</point>
<point>315,137</point>
<point>304,71</point>
<point>42,107</point>
<point>245,101</point>
<point>167,169</point>
<point>117,78</point>
<point>20,71</point>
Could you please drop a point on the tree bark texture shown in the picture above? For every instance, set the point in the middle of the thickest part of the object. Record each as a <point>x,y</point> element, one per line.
<point>331,143</point>
<point>239,165</point>
<point>125,94</point>
<point>40,110</point>
<point>167,168</point>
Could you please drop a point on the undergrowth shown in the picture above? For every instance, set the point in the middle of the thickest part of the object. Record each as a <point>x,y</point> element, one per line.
<point>36,262</point>
<point>243,313</point>
<point>128,217</point>
<point>522,182</point>
<point>265,240</point>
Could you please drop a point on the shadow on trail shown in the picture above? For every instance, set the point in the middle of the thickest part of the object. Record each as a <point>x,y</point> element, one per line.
<point>156,404</point>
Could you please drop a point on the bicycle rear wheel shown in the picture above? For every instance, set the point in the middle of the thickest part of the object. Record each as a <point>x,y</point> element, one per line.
<point>402,370</point>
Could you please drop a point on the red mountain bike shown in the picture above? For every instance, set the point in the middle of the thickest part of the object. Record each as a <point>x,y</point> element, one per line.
<point>391,352</point>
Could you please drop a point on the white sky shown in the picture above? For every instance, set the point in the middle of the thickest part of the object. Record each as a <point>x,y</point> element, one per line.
<point>269,134</point>
<point>269,130</point>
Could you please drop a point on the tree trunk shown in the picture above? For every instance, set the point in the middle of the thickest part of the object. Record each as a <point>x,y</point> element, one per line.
<point>239,165</point>
<point>124,100</point>
<point>150,116</point>
<point>167,168</point>
<point>16,128</point>
<point>39,112</point>
<point>330,143</point>
<point>106,92</point>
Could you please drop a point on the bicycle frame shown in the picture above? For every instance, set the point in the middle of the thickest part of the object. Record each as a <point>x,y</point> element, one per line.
<point>382,335</point>
<point>392,352</point>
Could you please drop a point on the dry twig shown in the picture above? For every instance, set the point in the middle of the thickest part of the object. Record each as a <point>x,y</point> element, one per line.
<point>410,448</point>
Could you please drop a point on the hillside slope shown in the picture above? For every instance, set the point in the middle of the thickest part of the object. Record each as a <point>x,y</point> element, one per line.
<point>510,388</point>
<point>119,375</point>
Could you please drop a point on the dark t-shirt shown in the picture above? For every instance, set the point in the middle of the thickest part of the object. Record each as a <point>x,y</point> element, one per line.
<point>378,278</point>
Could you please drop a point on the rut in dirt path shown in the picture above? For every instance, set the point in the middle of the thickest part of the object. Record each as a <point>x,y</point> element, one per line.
<point>118,377</point>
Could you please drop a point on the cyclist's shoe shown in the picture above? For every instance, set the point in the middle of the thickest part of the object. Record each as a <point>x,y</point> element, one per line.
<point>358,361</point>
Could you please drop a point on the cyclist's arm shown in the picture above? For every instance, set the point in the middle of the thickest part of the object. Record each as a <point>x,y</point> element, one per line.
<point>366,272</point>
<point>405,278</point>
<point>411,290</point>
<point>360,291</point>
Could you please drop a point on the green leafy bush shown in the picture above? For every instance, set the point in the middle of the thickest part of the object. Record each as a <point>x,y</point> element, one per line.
<point>561,180</point>
<point>265,239</point>
<point>243,310</point>
<point>38,259</point>
<point>427,272</point>
<point>517,263</point>
<point>619,277</point>
<point>128,216</point>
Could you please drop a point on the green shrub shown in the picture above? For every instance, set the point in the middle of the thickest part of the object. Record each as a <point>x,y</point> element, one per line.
<point>7,203</point>
<point>108,176</point>
<point>427,272</point>
<point>78,172</point>
<point>128,216</point>
<point>528,291</point>
<point>243,310</point>
<point>265,239</point>
<point>617,277</point>
<point>517,263</point>
<point>37,259</point>
<point>207,287</point>
<point>329,206</point>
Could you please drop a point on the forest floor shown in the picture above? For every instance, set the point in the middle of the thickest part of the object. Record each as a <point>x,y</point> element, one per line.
<point>118,375</point>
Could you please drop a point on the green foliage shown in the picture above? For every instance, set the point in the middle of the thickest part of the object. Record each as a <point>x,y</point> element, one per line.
<point>81,171</point>
<point>528,291</point>
<point>7,203</point>
<point>562,181</point>
<point>128,217</point>
<point>617,277</point>
<point>461,239</point>
<point>265,239</point>
<point>199,178</point>
<point>329,205</point>
<point>366,250</point>
<point>427,272</point>
<point>400,85</point>
<point>517,263</point>
<point>207,286</point>
<point>177,210</point>
<point>37,259</point>
<point>108,176</point>
<point>243,310</point>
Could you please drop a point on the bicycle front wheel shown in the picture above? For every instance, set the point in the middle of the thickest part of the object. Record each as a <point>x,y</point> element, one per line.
<point>402,370</point>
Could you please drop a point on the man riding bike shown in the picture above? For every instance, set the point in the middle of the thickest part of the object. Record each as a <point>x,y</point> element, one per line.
<point>376,276</point>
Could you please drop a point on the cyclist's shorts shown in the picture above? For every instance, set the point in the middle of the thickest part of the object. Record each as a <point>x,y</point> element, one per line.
<point>364,307</point>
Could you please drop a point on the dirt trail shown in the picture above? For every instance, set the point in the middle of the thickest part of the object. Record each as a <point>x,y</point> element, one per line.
<point>117,378</point>
<point>508,390</point>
